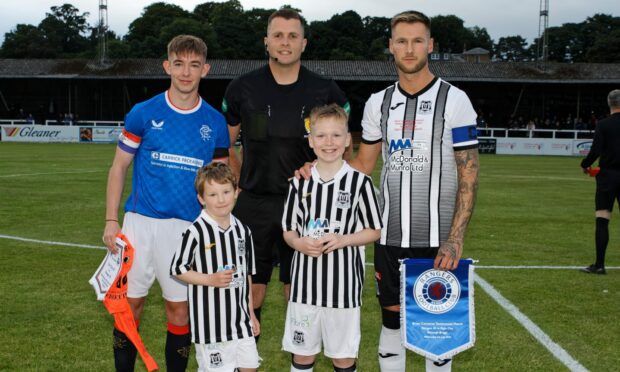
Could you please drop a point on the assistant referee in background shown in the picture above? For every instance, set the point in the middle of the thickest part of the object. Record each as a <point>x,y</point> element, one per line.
<point>606,146</point>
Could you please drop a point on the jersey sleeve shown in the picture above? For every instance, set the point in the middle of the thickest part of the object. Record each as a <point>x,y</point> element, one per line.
<point>368,211</point>
<point>231,106</point>
<point>595,149</point>
<point>131,136</point>
<point>222,140</point>
<point>461,120</point>
<point>371,120</point>
<point>291,210</point>
<point>184,255</point>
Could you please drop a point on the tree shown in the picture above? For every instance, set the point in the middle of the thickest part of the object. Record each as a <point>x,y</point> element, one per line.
<point>449,34</point>
<point>64,29</point>
<point>236,39</point>
<point>26,41</point>
<point>480,38</point>
<point>376,36</point>
<point>511,48</point>
<point>606,48</point>
<point>144,35</point>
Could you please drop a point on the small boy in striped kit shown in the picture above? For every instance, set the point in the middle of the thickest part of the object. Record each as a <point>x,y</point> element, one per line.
<point>216,259</point>
<point>327,220</point>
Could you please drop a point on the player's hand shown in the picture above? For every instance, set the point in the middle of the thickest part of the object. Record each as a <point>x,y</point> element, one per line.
<point>309,246</point>
<point>221,279</point>
<point>448,255</point>
<point>255,324</point>
<point>305,171</point>
<point>332,241</point>
<point>112,228</point>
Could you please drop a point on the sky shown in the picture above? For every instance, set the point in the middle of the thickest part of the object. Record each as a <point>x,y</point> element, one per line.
<point>499,17</point>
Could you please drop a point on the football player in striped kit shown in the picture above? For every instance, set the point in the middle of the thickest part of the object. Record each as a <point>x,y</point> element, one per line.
<point>216,259</point>
<point>425,130</point>
<point>167,138</point>
<point>327,220</point>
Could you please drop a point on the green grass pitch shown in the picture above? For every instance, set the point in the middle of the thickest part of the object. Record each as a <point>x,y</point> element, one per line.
<point>531,211</point>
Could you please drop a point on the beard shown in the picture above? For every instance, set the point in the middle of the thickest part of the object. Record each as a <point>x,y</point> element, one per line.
<point>412,69</point>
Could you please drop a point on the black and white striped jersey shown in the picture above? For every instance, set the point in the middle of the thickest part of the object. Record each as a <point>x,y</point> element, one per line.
<point>217,314</point>
<point>344,205</point>
<point>419,135</point>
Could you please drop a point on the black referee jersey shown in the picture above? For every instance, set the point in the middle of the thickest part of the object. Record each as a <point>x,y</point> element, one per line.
<point>343,205</point>
<point>275,124</point>
<point>217,314</point>
<point>606,144</point>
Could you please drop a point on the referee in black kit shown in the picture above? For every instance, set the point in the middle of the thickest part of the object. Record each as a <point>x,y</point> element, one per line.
<point>271,107</point>
<point>606,146</point>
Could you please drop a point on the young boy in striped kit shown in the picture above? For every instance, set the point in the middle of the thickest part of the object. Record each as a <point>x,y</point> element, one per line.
<point>327,220</point>
<point>216,259</point>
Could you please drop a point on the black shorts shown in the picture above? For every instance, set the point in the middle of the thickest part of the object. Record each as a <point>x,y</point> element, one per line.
<point>387,270</point>
<point>607,189</point>
<point>263,214</point>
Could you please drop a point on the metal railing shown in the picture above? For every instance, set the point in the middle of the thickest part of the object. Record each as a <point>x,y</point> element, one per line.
<point>94,123</point>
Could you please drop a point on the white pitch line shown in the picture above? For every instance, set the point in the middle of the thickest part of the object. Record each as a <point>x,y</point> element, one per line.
<point>51,242</point>
<point>555,349</point>
<point>48,173</point>
<point>367,263</point>
<point>539,267</point>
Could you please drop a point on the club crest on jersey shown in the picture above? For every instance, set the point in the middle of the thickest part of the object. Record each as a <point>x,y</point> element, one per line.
<point>298,338</point>
<point>425,107</point>
<point>241,246</point>
<point>205,133</point>
<point>343,200</point>
<point>215,360</point>
<point>436,291</point>
<point>157,125</point>
<point>307,125</point>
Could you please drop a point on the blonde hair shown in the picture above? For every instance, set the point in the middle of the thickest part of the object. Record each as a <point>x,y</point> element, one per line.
<point>329,111</point>
<point>214,172</point>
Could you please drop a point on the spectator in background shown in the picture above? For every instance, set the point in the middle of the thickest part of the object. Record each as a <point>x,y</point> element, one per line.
<point>30,119</point>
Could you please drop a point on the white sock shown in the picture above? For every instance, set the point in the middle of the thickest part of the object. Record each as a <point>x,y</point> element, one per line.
<point>432,367</point>
<point>392,357</point>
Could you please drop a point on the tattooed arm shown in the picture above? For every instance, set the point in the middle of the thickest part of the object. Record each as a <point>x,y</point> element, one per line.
<point>467,166</point>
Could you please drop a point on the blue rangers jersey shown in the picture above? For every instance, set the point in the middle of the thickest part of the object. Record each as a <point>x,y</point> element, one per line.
<point>170,145</point>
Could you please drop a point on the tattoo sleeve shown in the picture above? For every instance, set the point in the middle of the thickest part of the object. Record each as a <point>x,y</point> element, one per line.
<point>467,165</point>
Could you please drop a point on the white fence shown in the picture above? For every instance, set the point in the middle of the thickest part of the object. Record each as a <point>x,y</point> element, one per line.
<point>492,140</point>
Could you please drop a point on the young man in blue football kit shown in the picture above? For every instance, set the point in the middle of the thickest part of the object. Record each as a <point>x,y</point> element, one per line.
<point>168,138</point>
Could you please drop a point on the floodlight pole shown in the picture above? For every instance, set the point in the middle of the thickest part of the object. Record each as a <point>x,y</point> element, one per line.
<point>102,30</point>
<point>542,47</point>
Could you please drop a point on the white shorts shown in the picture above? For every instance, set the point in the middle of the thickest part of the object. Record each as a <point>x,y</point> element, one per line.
<point>308,326</point>
<point>226,356</point>
<point>155,241</point>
